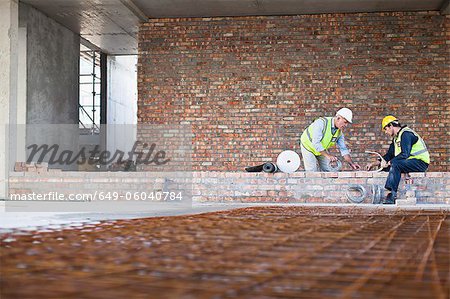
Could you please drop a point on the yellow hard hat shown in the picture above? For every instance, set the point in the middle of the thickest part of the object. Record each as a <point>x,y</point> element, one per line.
<point>387,120</point>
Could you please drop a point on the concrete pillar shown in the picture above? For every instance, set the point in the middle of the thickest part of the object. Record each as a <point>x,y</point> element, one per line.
<point>9,18</point>
<point>21,97</point>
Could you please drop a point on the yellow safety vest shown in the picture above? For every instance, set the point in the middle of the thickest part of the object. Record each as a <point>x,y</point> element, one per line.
<point>327,141</point>
<point>419,149</point>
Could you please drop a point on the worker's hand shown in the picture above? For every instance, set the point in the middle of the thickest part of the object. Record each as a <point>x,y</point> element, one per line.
<point>372,165</point>
<point>384,164</point>
<point>331,158</point>
<point>355,166</point>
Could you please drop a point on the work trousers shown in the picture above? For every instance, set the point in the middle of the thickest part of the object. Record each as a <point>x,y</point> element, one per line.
<point>403,166</point>
<point>313,162</point>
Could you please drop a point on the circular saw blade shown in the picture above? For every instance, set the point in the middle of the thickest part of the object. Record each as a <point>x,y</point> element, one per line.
<point>288,161</point>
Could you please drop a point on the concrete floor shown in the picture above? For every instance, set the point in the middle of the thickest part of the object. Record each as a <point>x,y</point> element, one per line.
<point>256,252</point>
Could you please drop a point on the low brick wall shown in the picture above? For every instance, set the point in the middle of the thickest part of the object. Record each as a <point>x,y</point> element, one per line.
<point>299,187</point>
<point>316,187</point>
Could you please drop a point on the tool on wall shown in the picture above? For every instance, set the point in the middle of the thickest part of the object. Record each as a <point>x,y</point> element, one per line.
<point>359,198</point>
<point>377,194</point>
<point>270,167</point>
<point>383,163</point>
<point>357,193</point>
<point>287,161</point>
<point>335,166</point>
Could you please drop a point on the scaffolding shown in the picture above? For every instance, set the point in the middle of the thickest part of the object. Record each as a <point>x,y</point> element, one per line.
<point>90,91</point>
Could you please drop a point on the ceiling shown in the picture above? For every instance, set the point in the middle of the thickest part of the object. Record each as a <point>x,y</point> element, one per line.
<point>112,25</point>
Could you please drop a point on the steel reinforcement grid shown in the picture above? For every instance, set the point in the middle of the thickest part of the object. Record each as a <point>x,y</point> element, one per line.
<point>261,252</point>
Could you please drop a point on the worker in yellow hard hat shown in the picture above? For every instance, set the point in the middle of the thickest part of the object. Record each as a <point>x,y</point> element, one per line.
<point>322,134</point>
<point>407,153</point>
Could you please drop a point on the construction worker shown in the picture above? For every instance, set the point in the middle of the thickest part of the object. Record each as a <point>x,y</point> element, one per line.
<point>322,134</point>
<point>407,153</point>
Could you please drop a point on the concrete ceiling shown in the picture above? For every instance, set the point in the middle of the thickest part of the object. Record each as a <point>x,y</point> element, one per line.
<point>112,25</point>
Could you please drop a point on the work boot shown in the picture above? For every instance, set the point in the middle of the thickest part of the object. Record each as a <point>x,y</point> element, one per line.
<point>390,199</point>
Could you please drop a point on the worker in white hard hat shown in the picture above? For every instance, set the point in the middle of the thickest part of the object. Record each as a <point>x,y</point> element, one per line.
<point>322,134</point>
<point>407,153</point>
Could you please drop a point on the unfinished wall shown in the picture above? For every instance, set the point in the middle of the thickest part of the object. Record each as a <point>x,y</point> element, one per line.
<point>53,69</point>
<point>250,85</point>
<point>52,76</point>
<point>122,102</point>
<point>122,90</point>
<point>299,187</point>
<point>8,84</point>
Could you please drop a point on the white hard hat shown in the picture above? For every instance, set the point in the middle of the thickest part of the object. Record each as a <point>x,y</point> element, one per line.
<point>346,113</point>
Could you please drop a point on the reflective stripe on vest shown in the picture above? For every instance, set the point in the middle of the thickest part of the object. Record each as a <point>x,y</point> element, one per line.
<point>419,149</point>
<point>327,141</point>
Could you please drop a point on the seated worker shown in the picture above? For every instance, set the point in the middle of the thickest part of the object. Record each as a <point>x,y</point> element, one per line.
<point>322,134</point>
<point>407,153</point>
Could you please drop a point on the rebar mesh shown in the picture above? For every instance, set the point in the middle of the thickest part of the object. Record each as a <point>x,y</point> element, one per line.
<point>268,252</point>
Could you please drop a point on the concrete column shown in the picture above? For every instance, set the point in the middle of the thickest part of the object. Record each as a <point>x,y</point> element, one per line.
<point>21,97</point>
<point>9,18</point>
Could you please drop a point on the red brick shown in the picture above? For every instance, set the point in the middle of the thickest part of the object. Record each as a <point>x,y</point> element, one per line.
<point>248,95</point>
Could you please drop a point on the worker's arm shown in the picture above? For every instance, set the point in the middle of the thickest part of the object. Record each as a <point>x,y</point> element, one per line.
<point>390,153</point>
<point>387,157</point>
<point>340,142</point>
<point>350,162</point>
<point>408,139</point>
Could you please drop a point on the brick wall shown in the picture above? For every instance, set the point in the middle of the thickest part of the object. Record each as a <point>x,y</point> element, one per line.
<point>250,85</point>
<point>317,187</point>
<point>299,187</point>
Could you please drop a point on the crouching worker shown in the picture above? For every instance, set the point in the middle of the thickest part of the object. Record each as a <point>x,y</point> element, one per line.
<point>322,134</point>
<point>407,153</point>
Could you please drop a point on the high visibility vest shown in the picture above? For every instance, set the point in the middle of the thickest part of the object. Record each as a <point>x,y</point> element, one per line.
<point>419,149</point>
<point>328,139</point>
